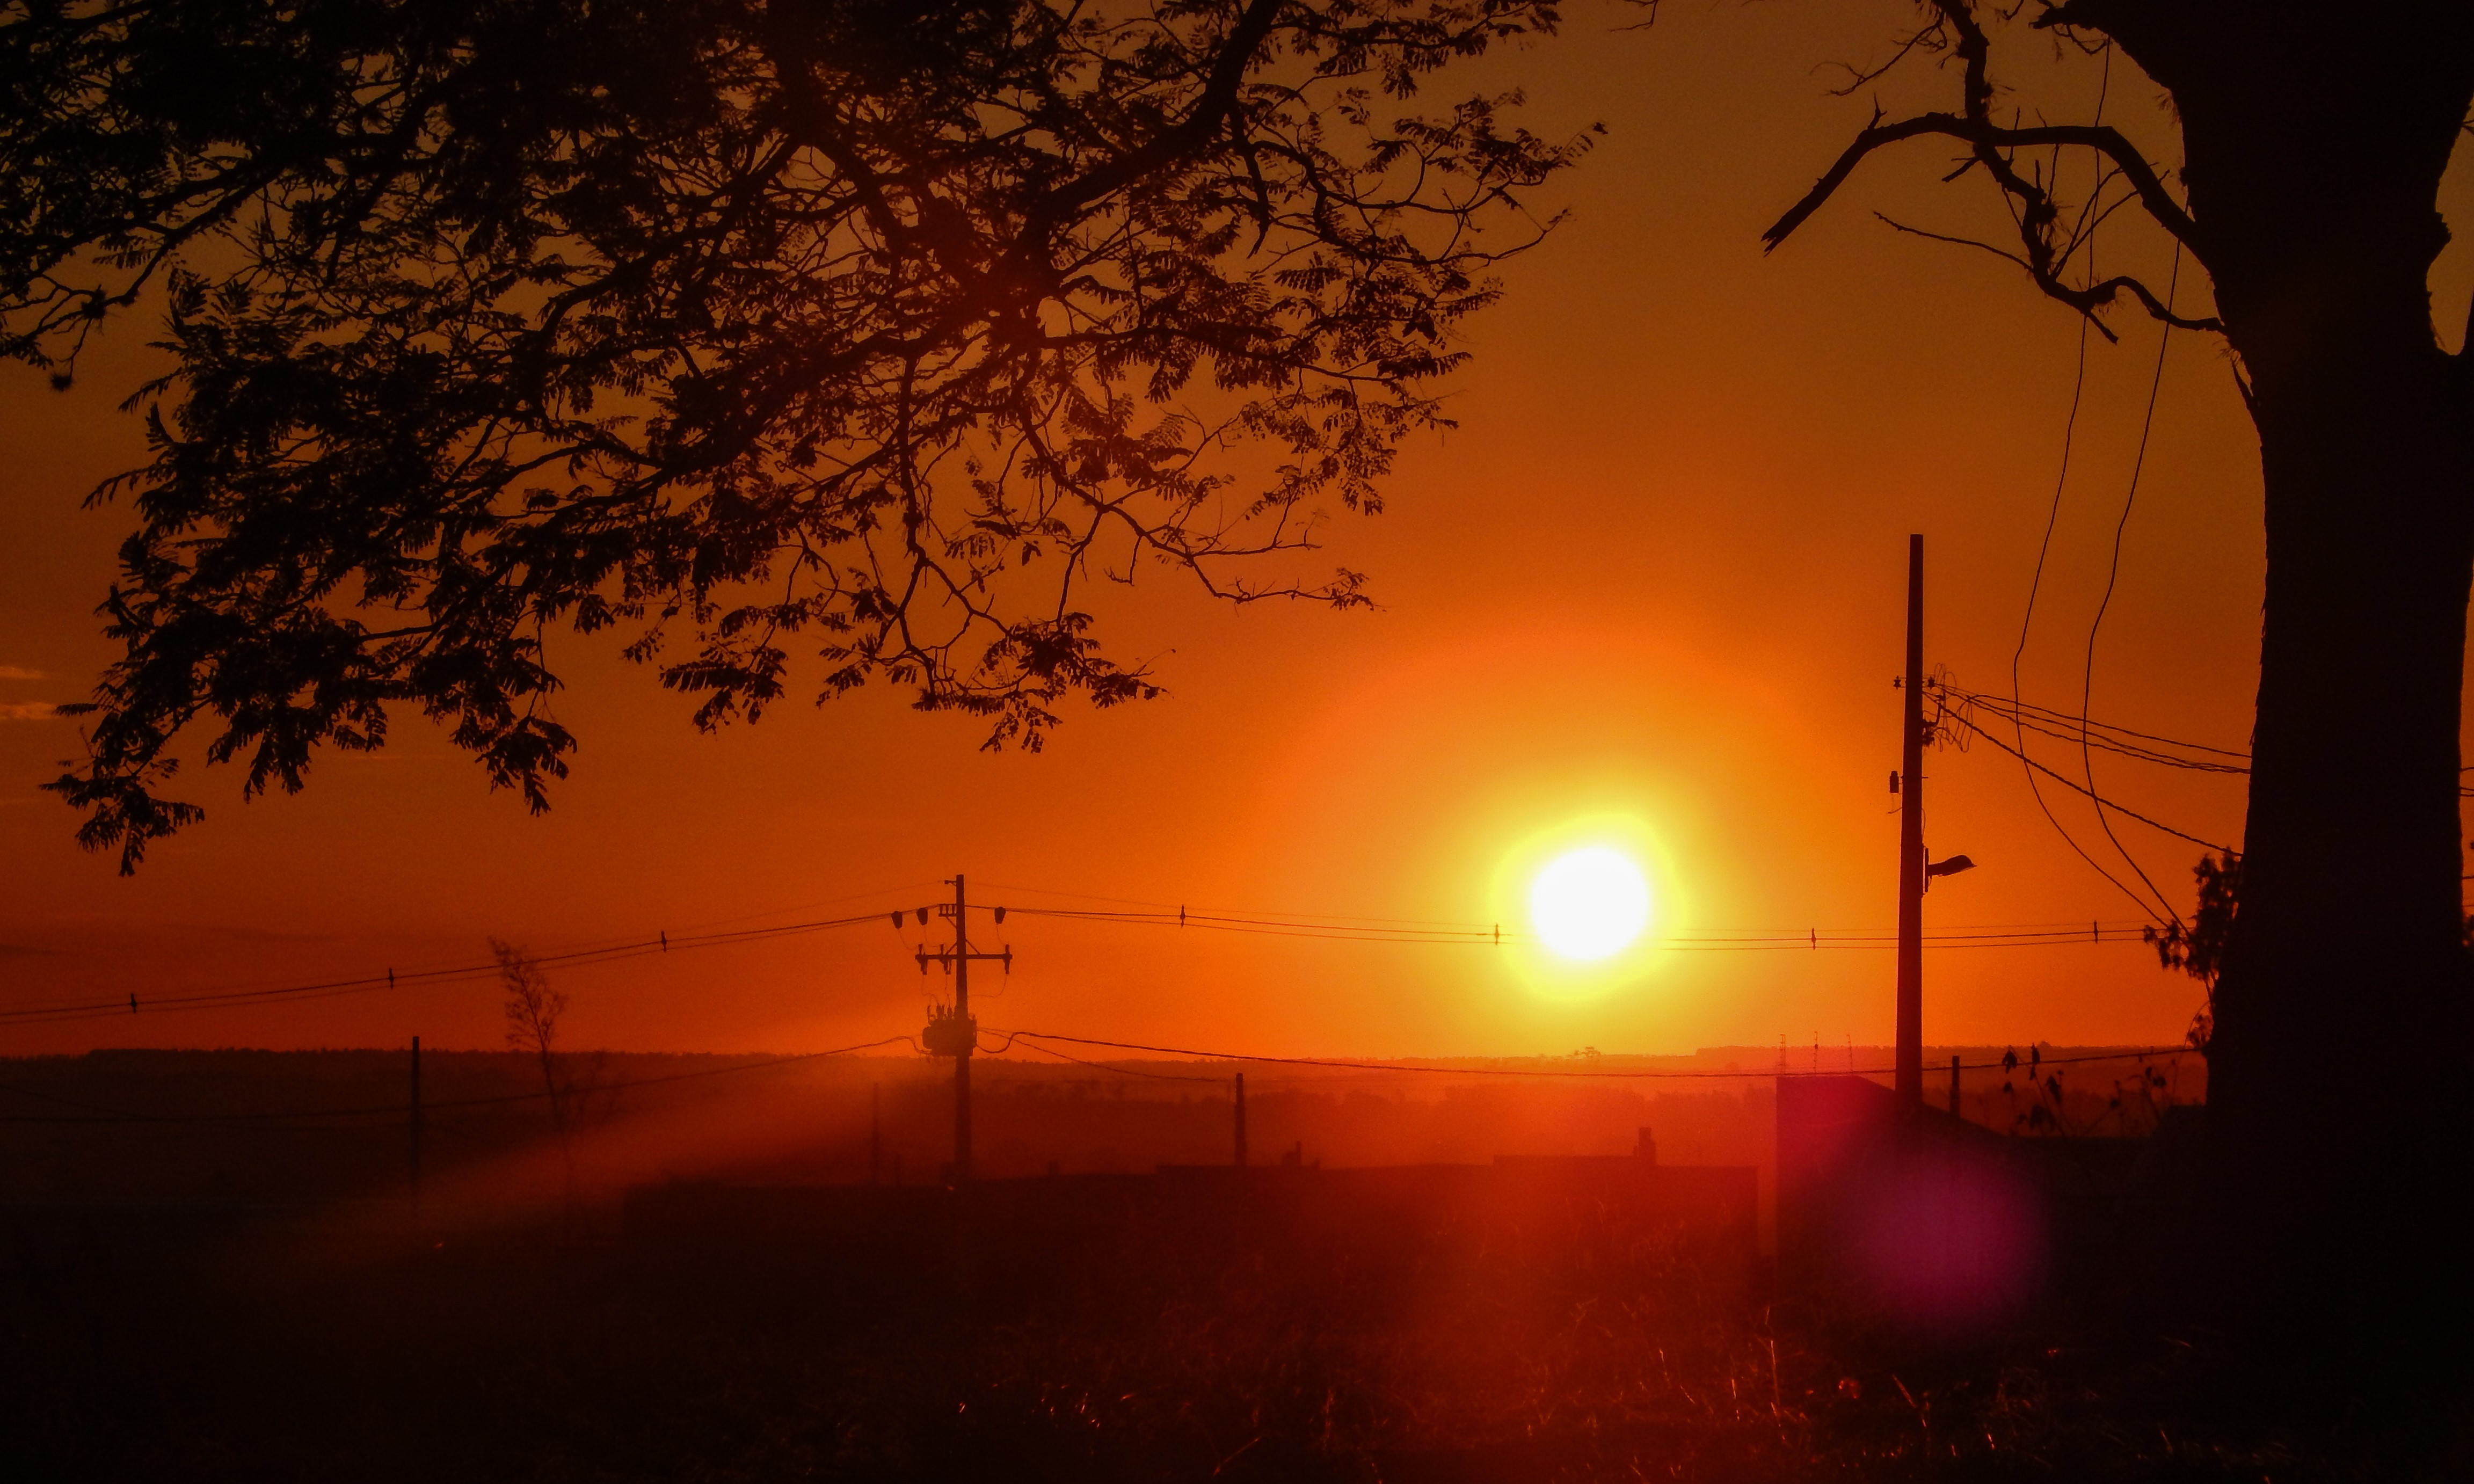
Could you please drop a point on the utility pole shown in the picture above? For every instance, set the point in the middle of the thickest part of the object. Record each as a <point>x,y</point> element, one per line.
<point>1241,1120</point>
<point>875,1133</point>
<point>415,1129</point>
<point>1953,1087</point>
<point>955,1033</point>
<point>1910,1059</point>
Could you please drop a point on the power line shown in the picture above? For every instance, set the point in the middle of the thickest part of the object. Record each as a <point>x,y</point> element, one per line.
<point>427,1105</point>
<point>1328,928</point>
<point>2113,574</point>
<point>100,1114</point>
<point>2076,785</point>
<point>2108,736</point>
<point>1296,926</point>
<point>1036,1036</point>
<point>2239,756</point>
<point>2053,517</point>
<point>1101,1066</point>
<point>2140,746</point>
<point>1715,939</point>
<point>2036,582</point>
<point>1712,939</point>
<point>662,943</point>
<point>1338,920</point>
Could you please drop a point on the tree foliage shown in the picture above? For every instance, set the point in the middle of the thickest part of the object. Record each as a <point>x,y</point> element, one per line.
<point>883,329</point>
<point>2197,947</point>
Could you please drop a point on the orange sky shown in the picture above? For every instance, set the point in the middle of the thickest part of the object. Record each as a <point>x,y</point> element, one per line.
<point>1658,572</point>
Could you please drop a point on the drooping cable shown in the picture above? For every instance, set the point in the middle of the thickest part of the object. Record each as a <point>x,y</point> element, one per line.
<point>2077,786</point>
<point>2113,574</point>
<point>1034,1037</point>
<point>2043,547</point>
<point>428,1105</point>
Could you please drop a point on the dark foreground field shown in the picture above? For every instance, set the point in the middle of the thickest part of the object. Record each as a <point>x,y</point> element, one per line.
<point>271,1343</point>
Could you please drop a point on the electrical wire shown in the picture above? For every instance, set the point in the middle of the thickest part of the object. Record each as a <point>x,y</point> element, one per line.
<point>2113,574</point>
<point>2026,620</point>
<point>1704,939</point>
<point>427,1105</point>
<point>99,1114</point>
<point>2052,519</point>
<point>1701,940</point>
<point>1335,918</point>
<point>660,943</point>
<point>1117,1071</point>
<point>2140,746</point>
<point>1300,927</point>
<point>1323,927</point>
<point>1036,1036</point>
<point>2073,783</point>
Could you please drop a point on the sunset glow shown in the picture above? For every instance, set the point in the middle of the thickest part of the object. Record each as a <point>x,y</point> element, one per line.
<point>1590,904</point>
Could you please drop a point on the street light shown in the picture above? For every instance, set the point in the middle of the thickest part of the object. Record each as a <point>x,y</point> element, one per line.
<point>1950,868</point>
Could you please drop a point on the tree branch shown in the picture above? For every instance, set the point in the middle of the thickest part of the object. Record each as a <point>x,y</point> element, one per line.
<point>1986,135</point>
<point>1992,146</point>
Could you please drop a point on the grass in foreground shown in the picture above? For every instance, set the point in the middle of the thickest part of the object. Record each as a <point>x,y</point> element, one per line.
<point>545,1355</point>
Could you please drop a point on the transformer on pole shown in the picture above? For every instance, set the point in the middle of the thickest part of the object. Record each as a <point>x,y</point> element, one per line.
<point>951,1030</point>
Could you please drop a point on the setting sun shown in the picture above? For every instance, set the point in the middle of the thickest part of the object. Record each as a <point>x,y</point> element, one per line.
<point>1590,904</point>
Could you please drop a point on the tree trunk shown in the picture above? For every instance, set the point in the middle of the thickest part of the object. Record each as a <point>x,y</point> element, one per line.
<point>2313,145</point>
<point>2339,1063</point>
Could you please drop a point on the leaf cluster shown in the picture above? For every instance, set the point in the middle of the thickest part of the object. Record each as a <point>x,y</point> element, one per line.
<point>882,331</point>
<point>2197,948</point>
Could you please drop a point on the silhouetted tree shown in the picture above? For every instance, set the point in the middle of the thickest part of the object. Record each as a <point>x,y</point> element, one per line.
<point>888,328</point>
<point>2313,139</point>
<point>533,1010</point>
<point>2197,947</point>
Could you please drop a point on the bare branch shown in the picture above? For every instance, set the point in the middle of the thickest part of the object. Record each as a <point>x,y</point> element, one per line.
<point>2046,246</point>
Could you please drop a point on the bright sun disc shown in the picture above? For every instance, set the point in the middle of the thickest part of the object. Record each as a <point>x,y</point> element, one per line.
<point>1590,904</point>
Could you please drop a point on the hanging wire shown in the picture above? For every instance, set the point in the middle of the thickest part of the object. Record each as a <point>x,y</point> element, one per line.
<point>428,1106</point>
<point>2113,574</point>
<point>2054,516</point>
<point>2078,786</point>
<point>2106,736</point>
<point>661,942</point>
<point>1035,1037</point>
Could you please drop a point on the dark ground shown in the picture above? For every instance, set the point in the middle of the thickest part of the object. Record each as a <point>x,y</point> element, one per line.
<point>321,1343</point>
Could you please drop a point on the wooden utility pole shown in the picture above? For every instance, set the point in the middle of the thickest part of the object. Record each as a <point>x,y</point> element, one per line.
<point>957,1034</point>
<point>415,1131</point>
<point>1910,1059</point>
<point>1241,1120</point>
<point>875,1133</point>
<point>1954,1088</point>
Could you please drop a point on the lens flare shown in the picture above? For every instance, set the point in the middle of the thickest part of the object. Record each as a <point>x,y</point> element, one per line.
<point>1590,904</point>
